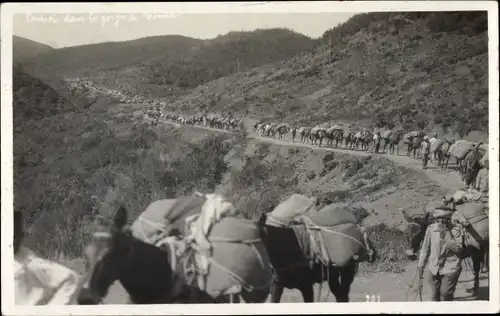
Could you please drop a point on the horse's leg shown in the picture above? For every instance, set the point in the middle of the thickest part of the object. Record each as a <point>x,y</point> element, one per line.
<point>276,292</point>
<point>255,296</point>
<point>334,283</point>
<point>486,257</point>
<point>346,275</point>
<point>307,293</point>
<point>477,257</point>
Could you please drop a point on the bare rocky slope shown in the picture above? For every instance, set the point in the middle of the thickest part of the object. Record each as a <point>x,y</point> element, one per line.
<point>415,70</point>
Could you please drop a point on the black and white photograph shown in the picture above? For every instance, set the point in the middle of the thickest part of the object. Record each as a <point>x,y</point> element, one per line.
<point>167,158</point>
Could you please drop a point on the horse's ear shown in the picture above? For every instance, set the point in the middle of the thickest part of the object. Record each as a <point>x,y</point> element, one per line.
<point>120,218</point>
<point>262,220</point>
<point>406,216</point>
<point>426,219</point>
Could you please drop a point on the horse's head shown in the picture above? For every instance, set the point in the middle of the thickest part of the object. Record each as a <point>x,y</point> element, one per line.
<point>261,224</point>
<point>415,231</point>
<point>105,258</point>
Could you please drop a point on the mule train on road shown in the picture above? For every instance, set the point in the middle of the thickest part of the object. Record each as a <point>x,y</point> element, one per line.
<point>469,157</point>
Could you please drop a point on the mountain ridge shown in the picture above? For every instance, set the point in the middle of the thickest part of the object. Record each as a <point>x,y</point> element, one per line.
<point>168,65</point>
<point>24,48</point>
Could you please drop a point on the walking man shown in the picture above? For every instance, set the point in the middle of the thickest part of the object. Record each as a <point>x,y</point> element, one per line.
<point>441,253</point>
<point>376,141</point>
<point>425,148</point>
<point>38,281</point>
<point>294,132</point>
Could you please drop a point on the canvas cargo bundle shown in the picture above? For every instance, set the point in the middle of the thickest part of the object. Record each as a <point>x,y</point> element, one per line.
<point>289,209</point>
<point>238,257</point>
<point>484,147</point>
<point>273,125</point>
<point>474,217</point>
<point>414,134</point>
<point>436,144</point>
<point>163,216</point>
<point>432,206</point>
<point>330,130</point>
<point>462,196</point>
<point>150,222</point>
<point>334,236</point>
<point>460,148</point>
<point>386,134</point>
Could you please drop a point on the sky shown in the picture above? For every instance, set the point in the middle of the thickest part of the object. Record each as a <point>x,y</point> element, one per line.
<point>63,30</point>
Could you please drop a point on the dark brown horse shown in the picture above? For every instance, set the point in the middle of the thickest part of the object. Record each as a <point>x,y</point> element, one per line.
<point>149,274</point>
<point>293,270</point>
<point>414,144</point>
<point>393,141</point>
<point>416,233</point>
<point>338,136</point>
<point>443,153</point>
<point>350,140</point>
<point>144,270</point>
<point>471,159</point>
<point>317,135</point>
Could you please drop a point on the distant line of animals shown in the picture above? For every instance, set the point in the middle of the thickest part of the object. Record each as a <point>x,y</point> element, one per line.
<point>470,157</point>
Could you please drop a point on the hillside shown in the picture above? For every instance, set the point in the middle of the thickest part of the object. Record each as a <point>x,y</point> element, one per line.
<point>24,48</point>
<point>168,66</point>
<point>414,70</point>
<point>33,98</point>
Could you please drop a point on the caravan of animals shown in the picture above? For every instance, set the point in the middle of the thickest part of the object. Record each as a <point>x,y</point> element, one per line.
<point>467,154</point>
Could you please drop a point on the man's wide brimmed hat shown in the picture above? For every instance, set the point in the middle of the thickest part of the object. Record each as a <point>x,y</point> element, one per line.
<point>442,212</point>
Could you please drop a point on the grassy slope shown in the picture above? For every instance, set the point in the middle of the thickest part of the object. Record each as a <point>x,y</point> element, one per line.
<point>170,65</point>
<point>24,48</point>
<point>410,69</point>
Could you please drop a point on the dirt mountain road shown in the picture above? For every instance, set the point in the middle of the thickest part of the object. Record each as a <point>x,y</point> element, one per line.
<point>449,180</point>
<point>386,287</point>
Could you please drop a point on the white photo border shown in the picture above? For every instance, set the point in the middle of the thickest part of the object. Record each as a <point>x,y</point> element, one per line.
<point>9,9</point>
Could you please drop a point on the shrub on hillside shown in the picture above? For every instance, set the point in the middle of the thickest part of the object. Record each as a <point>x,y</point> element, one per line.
<point>390,244</point>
